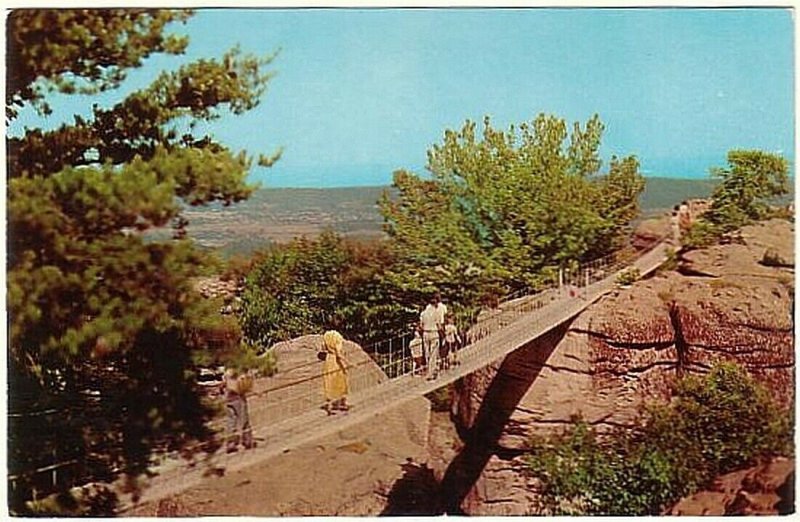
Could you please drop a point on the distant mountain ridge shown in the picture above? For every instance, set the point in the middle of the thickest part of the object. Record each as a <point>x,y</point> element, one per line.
<point>661,193</point>
<point>276,215</point>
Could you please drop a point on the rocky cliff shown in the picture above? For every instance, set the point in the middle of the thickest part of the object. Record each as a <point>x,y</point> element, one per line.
<point>764,489</point>
<point>729,302</point>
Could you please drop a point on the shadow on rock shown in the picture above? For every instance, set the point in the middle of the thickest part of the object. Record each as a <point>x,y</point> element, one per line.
<point>786,491</point>
<point>517,373</point>
<point>417,492</point>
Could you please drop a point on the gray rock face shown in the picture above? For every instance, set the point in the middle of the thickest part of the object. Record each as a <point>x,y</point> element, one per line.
<point>627,349</point>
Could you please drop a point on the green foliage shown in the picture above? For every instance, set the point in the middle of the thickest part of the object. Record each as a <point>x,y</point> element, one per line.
<point>248,357</point>
<point>782,212</point>
<point>81,51</point>
<point>701,234</point>
<point>752,178</point>
<point>628,277</point>
<point>671,263</point>
<point>103,322</point>
<point>715,424</point>
<point>504,210</point>
<point>751,181</point>
<point>309,286</point>
<point>90,501</point>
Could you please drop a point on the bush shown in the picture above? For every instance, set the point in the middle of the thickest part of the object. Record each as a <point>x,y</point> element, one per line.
<point>671,263</point>
<point>629,276</point>
<point>313,285</point>
<point>248,358</point>
<point>715,424</point>
<point>701,234</point>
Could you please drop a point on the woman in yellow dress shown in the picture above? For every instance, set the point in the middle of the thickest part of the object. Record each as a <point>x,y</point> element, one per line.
<point>334,373</point>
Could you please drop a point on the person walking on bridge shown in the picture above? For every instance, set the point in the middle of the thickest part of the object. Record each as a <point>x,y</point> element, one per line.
<point>452,342</point>
<point>417,358</point>
<point>335,373</point>
<point>432,323</point>
<point>236,386</point>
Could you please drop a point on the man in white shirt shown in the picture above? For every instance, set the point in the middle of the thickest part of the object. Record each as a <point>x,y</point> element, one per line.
<point>441,314</point>
<point>429,321</point>
<point>441,311</point>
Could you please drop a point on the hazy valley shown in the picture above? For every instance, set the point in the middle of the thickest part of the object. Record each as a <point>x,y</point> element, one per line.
<point>276,215</point>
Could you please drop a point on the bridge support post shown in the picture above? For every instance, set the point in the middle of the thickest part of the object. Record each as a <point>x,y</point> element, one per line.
<point>391,360</point>
<point>586,284</point>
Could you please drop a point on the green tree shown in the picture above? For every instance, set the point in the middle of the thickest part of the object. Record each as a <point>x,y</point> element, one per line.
<point>311,285</point>
<point>103,323</point>
<point>505,209</point>
<point>752,178</point>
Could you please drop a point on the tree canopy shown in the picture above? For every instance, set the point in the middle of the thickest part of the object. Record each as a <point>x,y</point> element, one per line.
<point>505,209</point>
<point>499,211</point>
<point>752,180</point>
<point>311,285</point>
<point>103,321</point>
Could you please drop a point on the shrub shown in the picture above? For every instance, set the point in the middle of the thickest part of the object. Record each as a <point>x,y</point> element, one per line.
<point>629,276</point>
<point>782,212</point>
<point>248,357</point>
<point>701,234</point>
<point>671,263</point>
<point>715,424</point>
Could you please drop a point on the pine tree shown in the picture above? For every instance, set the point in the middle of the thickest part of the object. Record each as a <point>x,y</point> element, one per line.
<point>103,321</point>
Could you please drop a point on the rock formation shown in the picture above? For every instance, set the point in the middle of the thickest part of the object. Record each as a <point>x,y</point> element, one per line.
<point>722,303</point>
<point>764,489</point>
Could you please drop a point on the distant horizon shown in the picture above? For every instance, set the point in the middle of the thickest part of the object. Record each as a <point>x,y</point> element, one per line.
<point>355,176</point>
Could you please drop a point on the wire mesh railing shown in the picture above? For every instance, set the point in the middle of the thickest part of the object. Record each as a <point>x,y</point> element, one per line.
<point>277,404</point>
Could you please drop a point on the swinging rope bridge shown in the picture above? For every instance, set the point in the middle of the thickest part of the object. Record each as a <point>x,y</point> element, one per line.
<point>287,415</point>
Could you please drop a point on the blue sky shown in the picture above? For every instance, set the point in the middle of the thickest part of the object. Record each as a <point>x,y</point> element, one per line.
<point>359,93</point>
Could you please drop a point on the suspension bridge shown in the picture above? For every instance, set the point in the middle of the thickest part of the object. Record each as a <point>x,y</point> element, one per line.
<point>289,414</point>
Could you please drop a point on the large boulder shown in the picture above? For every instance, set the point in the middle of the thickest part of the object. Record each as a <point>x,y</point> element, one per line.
<point>297,385</point>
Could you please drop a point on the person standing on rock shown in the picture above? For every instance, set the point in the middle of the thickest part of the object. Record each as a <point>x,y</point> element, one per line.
<point>236,387</point>
<point>334,373</point>
<point>430,320</point>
